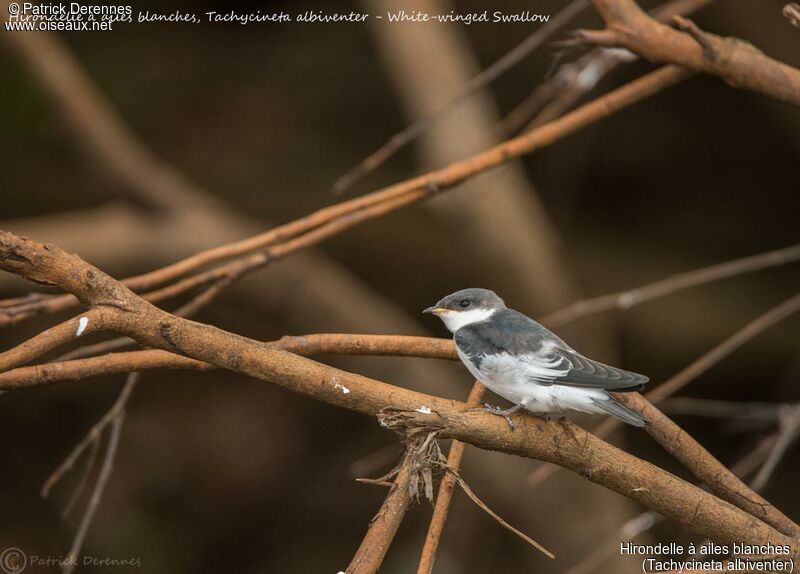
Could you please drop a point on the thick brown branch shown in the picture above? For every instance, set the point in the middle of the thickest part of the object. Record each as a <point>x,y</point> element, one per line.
<point>648,519</point>
<point>706,467</point>
<point>561,443</point>
<point>737,62</point>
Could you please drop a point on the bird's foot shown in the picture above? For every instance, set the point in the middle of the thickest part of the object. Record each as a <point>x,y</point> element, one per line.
<point>505,413</point>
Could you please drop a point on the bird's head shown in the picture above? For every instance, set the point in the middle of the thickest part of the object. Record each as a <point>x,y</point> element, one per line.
<point>465,307</point>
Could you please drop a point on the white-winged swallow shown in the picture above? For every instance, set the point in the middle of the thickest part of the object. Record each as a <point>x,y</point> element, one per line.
<point>524,362</point>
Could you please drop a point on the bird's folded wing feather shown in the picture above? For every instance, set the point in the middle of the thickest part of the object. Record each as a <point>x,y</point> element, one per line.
<point>549,360</point>
<point>584,372</point>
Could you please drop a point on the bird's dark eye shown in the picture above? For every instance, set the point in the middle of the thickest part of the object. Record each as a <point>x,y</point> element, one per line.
<point>464,303</point>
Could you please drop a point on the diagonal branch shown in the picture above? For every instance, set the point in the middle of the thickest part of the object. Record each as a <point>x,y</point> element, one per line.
<point>789,429</point>
<point>632,297</point>
<point>445,494</point>
<point>383,526</point>
<point>327,222</point>
<point>735,61</point>
<point>648,519</point>
<point>706,467</point>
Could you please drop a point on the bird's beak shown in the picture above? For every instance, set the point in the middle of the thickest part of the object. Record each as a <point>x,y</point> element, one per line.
<point>434,310</point>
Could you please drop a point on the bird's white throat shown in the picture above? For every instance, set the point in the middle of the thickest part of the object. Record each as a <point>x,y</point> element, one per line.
<point>454,320</point>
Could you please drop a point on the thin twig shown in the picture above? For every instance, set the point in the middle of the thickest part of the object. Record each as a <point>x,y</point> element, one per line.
<point>788,433</point>
<point>93,436</point>
<point>736,411</point>
<point>402,138</point>
<point>113,420</point>
<point>570,83</point>
<point>474,497</point>
<point>632,297</point>
<point>87,471</point>
<point>94,501</point>
<point>101,348</point>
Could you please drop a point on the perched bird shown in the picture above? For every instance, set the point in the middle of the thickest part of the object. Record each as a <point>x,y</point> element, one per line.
<point>524,362</point>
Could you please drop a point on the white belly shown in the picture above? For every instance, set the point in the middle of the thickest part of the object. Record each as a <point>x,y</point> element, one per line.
<point>516,382</point>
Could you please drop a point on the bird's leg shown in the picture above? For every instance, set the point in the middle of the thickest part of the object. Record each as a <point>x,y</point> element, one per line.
<point>505,413</point>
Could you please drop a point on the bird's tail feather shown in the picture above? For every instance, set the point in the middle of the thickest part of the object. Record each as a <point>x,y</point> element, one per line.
<point>620,411</point>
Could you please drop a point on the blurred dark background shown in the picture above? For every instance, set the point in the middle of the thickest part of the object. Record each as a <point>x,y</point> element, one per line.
<point>217,471</point>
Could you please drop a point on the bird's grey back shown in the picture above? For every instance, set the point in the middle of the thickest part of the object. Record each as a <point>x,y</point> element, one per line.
<point>506,331</point>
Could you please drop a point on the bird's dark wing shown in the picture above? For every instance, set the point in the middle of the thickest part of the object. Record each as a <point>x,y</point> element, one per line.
<point>549,360</point>
<point>584,372</point>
